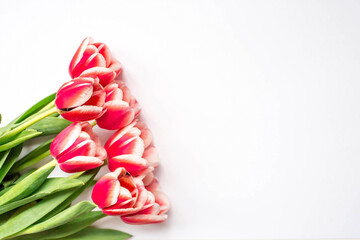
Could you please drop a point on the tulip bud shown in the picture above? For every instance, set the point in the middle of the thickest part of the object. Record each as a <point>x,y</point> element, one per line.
<point>121,107</point>
<point>77,148</point>
<point>81,99</point>
<point>94,60</point>
<point>131,148</point>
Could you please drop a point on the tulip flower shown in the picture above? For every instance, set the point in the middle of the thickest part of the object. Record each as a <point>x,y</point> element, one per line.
<point>121,107</point>
<point>118,193</point>
<point>154,210</point>
<point>132,148</point>
<point>94,60</point>
<point>81,99</point>
<point>77,148</point>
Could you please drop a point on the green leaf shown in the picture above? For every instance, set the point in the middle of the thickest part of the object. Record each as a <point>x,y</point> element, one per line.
<point>92,233</point>
<point>67,229</point>
<point>50,186</point>
<point>9,180</point>
<point>86,178</point>
<point>10,160</point>
<point>36,107</point>
<point>28,185</point>
<point>31,111</point>
<point>31,215</point>
<point>3,156</point>
<point>18,180</point>
<point>50,125</point>
<point>33,157</point>
<point>19,138</point>
<point>61,218</point>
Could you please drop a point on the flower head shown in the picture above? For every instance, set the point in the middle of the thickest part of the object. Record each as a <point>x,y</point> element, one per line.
<point>132,148</point>
<point>94,60</point>
<point>121,107</point>
<point>81,99</point>
<point>77,148</point>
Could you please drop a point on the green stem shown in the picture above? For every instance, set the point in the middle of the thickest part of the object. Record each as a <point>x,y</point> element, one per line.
<point>4,138</point>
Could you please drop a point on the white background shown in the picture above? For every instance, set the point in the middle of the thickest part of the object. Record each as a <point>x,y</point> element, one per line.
<point>254,105</point>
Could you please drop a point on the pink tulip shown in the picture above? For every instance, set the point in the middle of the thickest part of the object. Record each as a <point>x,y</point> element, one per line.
<point>81,99</point>
<point>118,193</point>
<point>77,148</point>
<point>132,148</point>
<point>154,210</point>
<point>94,60</point>
<point>121,107</point>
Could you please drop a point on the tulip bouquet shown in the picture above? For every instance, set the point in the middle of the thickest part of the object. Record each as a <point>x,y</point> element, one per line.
<point>34,206</point>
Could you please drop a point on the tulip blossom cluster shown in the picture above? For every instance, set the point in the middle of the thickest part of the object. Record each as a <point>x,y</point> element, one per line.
<point>130,190</point>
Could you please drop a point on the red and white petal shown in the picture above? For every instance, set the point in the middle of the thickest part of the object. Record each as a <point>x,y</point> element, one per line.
<point>148,179</point>
<point>154,186</point>
<point>106,190</point>
<point>119,134</point>
<point>83,113</point>
<point>105,52</point>
<point>98,96</point>
<point>105,75</point>
<point>146,134</point>
<point>74,93</point>
<point>84,148</point>
<point>90,53</point>
<point>132,163</point>
<point>144,219</point>
<point>152,209</point>
<point>134,145</point>
<point>80,163</point>
<point>79,54</point>
<point>151,155</point>
<point>115,65</point>
<point>113,93</point>
<point>118,115</point>
<point>65,139</point>
<point>120,211</point>
<point>163,201</point>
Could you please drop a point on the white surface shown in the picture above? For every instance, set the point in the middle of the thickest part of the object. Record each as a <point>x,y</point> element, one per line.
<point>254,105</point>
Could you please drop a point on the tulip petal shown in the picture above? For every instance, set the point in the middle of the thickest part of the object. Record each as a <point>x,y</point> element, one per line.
<point>133,146</point>
<point>152,209</point>
<point>78,54</point>
<point>98,96</point>
<point>120,211</point>
<point>65,139</point>
<point>118,115</point>
<point>80,163</point>
<point>144,219</point>
<point>163,201</point>
<point>154,186</point>
<point>106,190</point>
<point>84,148</point>
<point>83,113</point>
<point>132,163</point>
<point>151,155</point>
<point>148,179</point>
<point>119,134</point>
<point>146,134</point>
<point>74,93</point>
<point>113,93</point>
<point>115,65</point>
<point>105,75</point>
<point>105,52</point>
